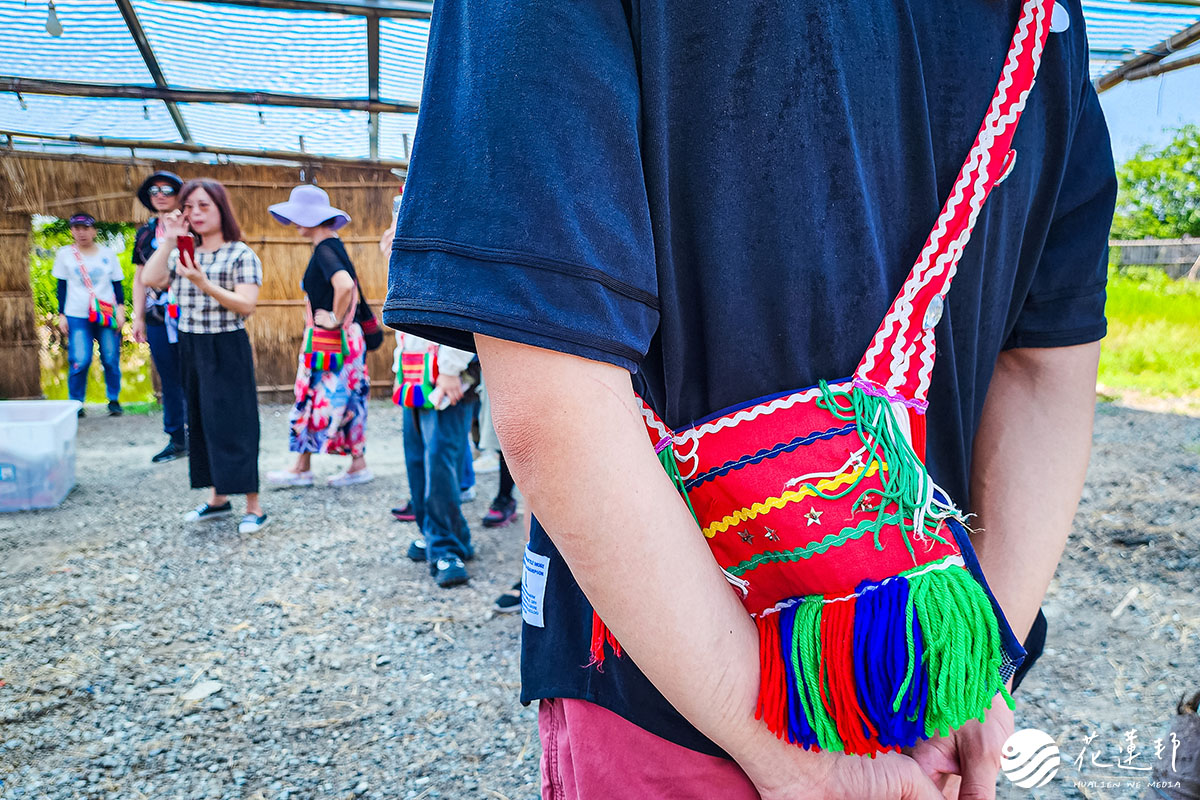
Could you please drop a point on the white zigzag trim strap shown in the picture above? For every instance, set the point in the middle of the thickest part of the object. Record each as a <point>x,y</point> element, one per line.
<point>938,261</point>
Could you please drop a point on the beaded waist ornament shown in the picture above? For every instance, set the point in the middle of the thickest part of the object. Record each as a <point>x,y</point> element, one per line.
<point>875,628</point>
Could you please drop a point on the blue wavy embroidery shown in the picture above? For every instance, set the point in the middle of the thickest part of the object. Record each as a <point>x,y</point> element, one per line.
<point>772,452</point>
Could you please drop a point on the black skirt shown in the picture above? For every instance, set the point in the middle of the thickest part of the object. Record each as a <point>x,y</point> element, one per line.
<point>217,371</point>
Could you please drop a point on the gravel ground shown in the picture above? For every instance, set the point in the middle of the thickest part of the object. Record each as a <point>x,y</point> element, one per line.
<point>341,671</point>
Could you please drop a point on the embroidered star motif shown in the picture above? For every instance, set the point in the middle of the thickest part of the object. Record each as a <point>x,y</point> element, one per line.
<point>746,536</point>
<point>813,516</point>
<point>771,535</point>
<point>857,462</point>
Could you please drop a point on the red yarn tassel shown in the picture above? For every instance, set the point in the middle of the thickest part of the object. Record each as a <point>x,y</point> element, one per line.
<point>838,691</point>
<point>601,636</point>
<point>916,422</point>
<point>772,683</point>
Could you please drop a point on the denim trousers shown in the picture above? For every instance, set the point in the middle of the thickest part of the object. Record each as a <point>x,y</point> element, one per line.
<point>433,450</point>
<point>80,335</point>
<point>166,362</point>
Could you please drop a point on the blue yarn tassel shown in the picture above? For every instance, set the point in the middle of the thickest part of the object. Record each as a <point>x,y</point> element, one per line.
<point>882,662</point>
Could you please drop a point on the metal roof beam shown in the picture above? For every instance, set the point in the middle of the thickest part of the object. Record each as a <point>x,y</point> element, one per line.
<point>143,45</point>
<point>171,96</point>
<point>1154,54</point>
<point>238,152</point>
<point>373,81</point>
<point>403,9</point>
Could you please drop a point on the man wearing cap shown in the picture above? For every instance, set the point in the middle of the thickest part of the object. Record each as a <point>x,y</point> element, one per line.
<point>91,307</point>
<point>153,321</point>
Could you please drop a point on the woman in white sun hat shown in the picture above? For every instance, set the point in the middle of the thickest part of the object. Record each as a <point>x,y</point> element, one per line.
<point>330,415</point>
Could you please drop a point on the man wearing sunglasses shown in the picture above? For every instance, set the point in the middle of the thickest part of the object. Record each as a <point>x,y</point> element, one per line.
<point>152,319</point>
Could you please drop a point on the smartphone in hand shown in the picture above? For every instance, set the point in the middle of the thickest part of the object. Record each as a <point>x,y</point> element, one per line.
<point>186,244</point>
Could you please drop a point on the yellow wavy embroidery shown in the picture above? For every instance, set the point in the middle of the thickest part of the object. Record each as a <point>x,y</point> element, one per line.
<point>791,496</point>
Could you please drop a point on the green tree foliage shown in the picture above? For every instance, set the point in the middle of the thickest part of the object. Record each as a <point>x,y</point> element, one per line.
<point>1160,190</point>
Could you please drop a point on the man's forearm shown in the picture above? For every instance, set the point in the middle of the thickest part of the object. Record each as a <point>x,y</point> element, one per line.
<point>1030,458</point>
<point>576,445</point>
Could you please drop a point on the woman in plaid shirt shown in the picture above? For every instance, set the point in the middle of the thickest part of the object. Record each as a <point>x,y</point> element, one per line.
<point>216,292</point>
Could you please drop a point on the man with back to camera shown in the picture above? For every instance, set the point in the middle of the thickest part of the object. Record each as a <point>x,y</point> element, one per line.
<point>700,207</point>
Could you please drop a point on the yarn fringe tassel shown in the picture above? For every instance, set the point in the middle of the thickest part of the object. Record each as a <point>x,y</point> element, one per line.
<point>904,659</point>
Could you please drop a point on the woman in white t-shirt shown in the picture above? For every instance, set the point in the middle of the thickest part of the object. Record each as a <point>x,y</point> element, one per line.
<point>91,308</point>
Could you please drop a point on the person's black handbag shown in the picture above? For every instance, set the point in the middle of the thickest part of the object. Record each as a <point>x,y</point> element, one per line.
<point>366,319</point>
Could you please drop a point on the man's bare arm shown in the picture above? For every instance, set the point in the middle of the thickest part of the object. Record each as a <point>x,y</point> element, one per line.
<point>1030,459</point>
<point>576,445</point>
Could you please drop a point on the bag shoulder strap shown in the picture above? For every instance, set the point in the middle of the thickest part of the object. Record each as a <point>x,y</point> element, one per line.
<point>899,361</point>
<point>83,271</point>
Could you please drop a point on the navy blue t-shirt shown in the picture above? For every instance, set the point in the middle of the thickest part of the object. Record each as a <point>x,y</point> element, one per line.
<point>724,198</point>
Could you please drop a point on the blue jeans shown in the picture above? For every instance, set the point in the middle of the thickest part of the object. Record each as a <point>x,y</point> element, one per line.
<point>166,363</point>
<point>433,451</point>
<point>80,335</point>
<point>467,477</point>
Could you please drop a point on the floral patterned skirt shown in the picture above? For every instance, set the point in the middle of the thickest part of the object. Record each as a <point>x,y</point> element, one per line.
<point>330,415</point>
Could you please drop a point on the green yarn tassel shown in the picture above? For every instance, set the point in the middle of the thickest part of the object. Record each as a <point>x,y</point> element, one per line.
<point>907,490</point>
<point>666,457</point>
<point>962,648</point>
<point>806,660</point>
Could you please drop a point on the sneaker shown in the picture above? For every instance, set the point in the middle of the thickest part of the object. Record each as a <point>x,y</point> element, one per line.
<point>114,409</point>
<point>285,477</point>
<point>467,495</point>
<point>405,514</point>
<point>252,523</point>
<point>450,572</point>
<point>363,475</point>
<point>502,512</point>
<point>204,512</point>
<point>172,451</point>
<point>416,550</point>
<point>81,413</point>
<point>510,601</point>
<point>488,462</point>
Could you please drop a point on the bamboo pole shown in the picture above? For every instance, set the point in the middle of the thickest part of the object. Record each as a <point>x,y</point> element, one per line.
<point>1160,67</point>
<point>142,144</point>
<point>9,83</point>
<point>1157,53</point>
<point>402,9</point>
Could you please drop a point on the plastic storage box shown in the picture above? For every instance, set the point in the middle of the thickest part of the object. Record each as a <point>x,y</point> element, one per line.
<point>37,452</point>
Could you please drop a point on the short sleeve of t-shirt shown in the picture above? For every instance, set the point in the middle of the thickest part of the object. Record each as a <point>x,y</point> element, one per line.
<point>63,263</point>
<point>1065,303</point>
<point>525,215</point>
<point>330,260</point>
<point>247,268</point>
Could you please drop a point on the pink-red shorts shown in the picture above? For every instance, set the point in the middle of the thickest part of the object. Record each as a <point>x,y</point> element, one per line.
<point>590,753</point>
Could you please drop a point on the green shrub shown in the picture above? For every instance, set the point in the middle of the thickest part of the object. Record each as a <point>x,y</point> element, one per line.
<point>1153,342</point>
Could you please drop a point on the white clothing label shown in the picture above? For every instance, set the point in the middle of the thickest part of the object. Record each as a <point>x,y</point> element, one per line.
<point>533,588</point>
